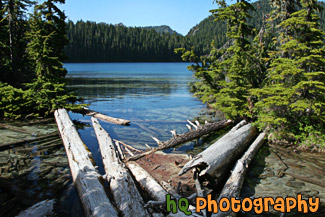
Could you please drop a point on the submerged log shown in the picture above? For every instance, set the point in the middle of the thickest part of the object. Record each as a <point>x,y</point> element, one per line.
<point>91,192</point>
<point>121,182</point>
<point>16,129</point>
<point>235,182</point>
<point>49,136</point>
<point>215,159</point>
<point>183,138</point>
<point>40,209</point>
<point>88,112</point>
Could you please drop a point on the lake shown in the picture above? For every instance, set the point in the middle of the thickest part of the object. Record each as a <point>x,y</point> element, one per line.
<point>155,97</point>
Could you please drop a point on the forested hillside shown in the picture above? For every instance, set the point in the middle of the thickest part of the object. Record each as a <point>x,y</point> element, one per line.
<point>208,30</point>
<point>100,42</point>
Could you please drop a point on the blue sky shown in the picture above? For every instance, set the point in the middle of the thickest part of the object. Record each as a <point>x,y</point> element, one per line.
<point>180,15</point>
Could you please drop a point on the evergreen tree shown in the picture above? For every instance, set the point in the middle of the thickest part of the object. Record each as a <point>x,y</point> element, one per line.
<point>292,104</point>
<point>227,74</point>
<point>13,12</point>
<point>45,40</point>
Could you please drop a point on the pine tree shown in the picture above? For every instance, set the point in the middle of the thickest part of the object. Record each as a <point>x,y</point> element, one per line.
<point>292,104</point>
<point>16,26</point>
<point>48,88</point>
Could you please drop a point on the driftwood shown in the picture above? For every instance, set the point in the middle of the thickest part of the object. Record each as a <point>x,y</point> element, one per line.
<point>121,182</point>
<point>214,160</point>
<point>85,177</point>
<point>183,138</point>
<point>235,182</point>
<point>147,182</point>
<point>40,209</point>
<point>154,189</point>
<point>88,112</point>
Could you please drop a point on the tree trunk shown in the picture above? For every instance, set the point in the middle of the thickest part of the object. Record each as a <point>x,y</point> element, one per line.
<point>85,177</point>
<point>215,160</point>
<point>235,182</point>
<point>123,188</point>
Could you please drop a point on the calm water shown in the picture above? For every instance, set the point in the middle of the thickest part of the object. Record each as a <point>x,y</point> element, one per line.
<point>154,96</point>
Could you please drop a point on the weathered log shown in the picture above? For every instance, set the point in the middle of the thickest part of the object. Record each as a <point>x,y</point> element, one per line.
<point>89,112</point>
<point>91,192</point>
<point>235,182</point>
<point>147,182</point>
<point>121,182</point>
<point>153,188</point>
<point>40,209</point>
<point>215,159</point>
<point>183,138</point>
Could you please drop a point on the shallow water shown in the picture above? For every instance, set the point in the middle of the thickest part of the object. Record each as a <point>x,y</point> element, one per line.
<point>155,97</point>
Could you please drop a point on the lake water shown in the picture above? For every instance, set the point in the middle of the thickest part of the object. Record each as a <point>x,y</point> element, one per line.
<point>155,97</point>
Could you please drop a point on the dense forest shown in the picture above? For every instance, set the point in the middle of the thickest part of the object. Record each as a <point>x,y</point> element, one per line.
<point>100,42</point>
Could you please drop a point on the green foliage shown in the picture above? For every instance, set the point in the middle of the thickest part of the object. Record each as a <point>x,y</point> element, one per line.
<point>45,91</point>
<point>15,103</point>
<point>276,79</point>
<point>293,99</point>
<point>226,75</point>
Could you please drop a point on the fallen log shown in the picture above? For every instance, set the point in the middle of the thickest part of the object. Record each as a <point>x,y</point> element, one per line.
<point>88,112</point>
<point>183,138</point>
<point>154,189</point>
<point>121,182</point>
<point>91,192</point>
<point>147,182</point>
<point>215,159</point>
<point>40,209</point>
<point>235,182</point>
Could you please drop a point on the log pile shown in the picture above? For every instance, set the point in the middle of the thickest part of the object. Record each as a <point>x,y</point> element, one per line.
<point>128,181</point>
